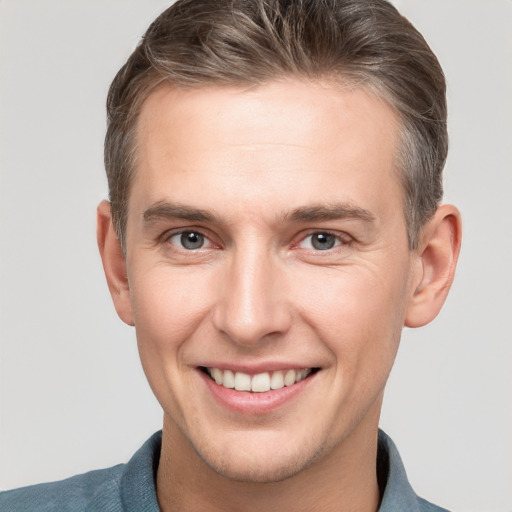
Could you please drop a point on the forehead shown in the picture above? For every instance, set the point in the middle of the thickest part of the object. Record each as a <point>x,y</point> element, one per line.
<point>270,143</point>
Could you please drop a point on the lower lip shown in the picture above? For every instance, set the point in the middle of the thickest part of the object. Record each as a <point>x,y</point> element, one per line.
<point>247,402</point>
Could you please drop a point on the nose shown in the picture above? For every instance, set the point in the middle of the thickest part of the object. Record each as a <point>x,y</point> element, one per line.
<point>253,304</point>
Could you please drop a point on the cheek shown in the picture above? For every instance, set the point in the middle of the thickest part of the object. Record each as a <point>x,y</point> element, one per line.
<point>358,313</point>
<point>168,308</point>
<point>168,305</point>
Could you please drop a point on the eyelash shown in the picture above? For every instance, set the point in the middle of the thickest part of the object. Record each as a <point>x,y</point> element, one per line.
<point>341,239</point>
<point>168,236</point>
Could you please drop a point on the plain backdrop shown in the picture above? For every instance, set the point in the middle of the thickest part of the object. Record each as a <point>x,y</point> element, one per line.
<point>73,395</point>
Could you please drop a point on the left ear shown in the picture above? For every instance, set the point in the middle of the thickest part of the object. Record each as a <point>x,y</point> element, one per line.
<point>437,253</point>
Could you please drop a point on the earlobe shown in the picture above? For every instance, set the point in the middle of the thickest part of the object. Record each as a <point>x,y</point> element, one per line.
<point>114,263</point>
<point>438,252</point>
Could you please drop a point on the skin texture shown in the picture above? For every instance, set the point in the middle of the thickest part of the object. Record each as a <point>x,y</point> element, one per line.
<point>268,167</point>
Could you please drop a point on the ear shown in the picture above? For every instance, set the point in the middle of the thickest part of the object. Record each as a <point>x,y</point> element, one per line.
<point>437,253</point>
<point>114,263</point>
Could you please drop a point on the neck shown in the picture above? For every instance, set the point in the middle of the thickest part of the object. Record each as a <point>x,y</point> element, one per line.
<point>345,479</point>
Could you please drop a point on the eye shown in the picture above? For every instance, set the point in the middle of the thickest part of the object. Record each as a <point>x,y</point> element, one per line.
<point>189,240</point>
<point>321,241</point>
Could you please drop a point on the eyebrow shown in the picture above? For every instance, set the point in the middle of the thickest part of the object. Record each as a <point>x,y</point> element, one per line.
<point>321,212</point>
<point>330,212</point>
<point>164,210</point>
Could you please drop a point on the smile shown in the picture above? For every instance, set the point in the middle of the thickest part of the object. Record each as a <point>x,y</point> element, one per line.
<point>259,383</point>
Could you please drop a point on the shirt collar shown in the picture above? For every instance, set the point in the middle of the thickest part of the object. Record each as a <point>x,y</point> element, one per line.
<point>138,483</point>
<point>397,494</point>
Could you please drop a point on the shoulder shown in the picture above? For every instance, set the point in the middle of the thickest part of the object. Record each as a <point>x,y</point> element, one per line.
<point>123,488</point>
<point>426,506</point>
<point>96,490</point>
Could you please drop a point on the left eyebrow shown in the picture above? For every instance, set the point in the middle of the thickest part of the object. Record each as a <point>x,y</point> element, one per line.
<point>330,212</point>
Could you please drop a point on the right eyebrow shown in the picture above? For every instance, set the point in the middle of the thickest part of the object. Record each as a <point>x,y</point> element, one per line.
<point>163,210</point>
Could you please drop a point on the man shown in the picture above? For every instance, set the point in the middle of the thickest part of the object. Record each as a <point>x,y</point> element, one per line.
<point>274,221</point>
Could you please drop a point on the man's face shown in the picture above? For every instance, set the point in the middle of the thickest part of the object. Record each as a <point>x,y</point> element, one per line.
<point>266,234</point>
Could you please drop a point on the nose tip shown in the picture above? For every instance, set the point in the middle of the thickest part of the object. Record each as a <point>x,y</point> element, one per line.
<point>253,305</point>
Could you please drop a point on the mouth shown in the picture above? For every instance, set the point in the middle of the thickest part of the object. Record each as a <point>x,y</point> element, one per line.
<point>260,382</point>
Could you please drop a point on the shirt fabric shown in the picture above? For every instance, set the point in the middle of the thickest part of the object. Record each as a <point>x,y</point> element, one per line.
<point>131,487</point>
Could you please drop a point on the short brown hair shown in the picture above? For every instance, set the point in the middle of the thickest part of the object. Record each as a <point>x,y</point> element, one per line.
<point>238,42</point>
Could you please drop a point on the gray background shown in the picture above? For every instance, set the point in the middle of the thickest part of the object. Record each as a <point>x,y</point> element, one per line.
<point>73,396</point>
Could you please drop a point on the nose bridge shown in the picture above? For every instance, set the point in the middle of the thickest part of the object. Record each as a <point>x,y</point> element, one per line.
<point>253,303</point>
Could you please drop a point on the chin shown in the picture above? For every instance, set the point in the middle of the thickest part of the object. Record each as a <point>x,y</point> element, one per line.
<point>256,472</point>
<point>255,465</point>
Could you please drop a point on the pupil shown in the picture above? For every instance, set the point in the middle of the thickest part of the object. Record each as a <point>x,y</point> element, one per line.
<point>192,240</point>
<point>323,241</point>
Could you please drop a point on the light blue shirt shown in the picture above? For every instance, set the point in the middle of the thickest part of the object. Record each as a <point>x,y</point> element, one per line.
<point>131,487</point>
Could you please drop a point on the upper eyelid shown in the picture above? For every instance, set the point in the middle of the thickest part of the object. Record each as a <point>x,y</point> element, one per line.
<point>167,235</point>
<point>340,235</point>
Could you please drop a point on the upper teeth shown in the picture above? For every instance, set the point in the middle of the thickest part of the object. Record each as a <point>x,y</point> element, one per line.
<point>260,382</point>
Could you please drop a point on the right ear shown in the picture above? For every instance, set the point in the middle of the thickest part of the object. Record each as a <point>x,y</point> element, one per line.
<point>114,263</point>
